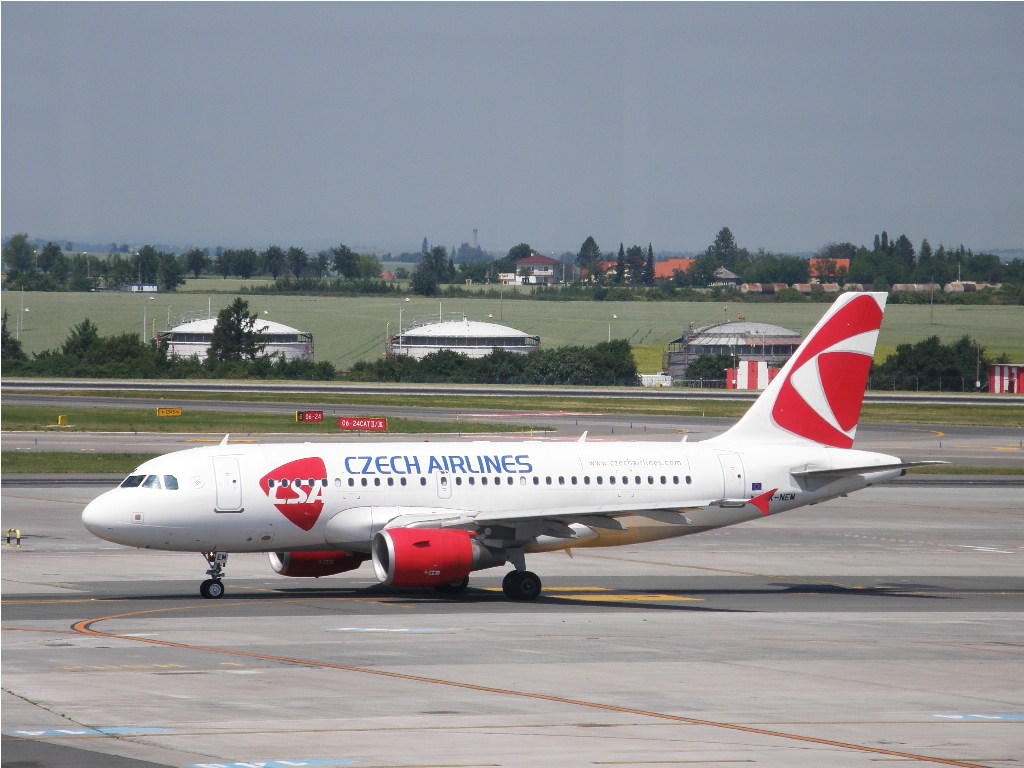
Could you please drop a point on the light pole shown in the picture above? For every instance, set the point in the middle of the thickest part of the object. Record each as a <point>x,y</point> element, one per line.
<point>401,309</point>
<point>145,307</point>
<point>614,317</point>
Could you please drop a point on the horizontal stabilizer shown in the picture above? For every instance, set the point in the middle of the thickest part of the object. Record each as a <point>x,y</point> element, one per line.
<point>845,471</point>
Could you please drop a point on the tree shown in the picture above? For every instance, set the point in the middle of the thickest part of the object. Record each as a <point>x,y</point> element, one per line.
<point>274,260</point>
<point>724,249</point>
<point>247,262</point>
<point>148,264</point>
<point>235,336</point>
<point>589,256</point>
<point>620,266</point>
<point>81,340</point>
<point>708,368</point>
<point>19,255</point>
<point>49,257</point>
<point>346,261</point>
<point>649,266</point>
<point>903,253</point>
<point>298,261</point>
<point>369,267</point>
<point>321,264</point>
<point>170,273</point>
<point>636,264</point>
<point>225,262</point>
<point>10,347</point>
<point>196,261</point>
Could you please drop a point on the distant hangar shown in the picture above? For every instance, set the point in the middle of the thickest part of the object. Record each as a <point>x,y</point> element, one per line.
<point>739,339</point>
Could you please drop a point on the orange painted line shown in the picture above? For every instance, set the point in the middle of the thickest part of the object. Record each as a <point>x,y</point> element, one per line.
<point>85,627</point>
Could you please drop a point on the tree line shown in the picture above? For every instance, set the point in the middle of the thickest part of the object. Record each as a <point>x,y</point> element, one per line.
<point>237,352</point>
<point>889,261</point>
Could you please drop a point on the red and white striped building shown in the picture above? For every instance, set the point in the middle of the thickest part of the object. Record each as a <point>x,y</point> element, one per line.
<point>751,374</point>
<point>1006,378</point>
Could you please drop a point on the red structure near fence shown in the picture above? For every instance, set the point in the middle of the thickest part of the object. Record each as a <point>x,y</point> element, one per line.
<point>1006,378</point>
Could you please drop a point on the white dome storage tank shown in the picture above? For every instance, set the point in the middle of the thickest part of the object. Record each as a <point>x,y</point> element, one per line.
<point>192,339</point>
<point>470,337</point>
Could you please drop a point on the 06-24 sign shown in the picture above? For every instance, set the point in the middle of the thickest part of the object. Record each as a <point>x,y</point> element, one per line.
<point>362,424</point>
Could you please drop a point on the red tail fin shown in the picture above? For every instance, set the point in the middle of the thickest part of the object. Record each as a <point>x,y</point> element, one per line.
<point>818,394</point>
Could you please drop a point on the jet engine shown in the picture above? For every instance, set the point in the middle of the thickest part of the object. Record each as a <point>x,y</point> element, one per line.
<point>315,564</point>
<point>425,557</point>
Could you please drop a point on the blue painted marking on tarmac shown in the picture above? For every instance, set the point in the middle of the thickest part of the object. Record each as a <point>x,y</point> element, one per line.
<point>990,718</point>
<point>89,732</point>
<point>275,763</point>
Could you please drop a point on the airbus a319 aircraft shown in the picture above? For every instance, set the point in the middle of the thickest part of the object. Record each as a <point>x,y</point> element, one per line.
<point>428,514</point>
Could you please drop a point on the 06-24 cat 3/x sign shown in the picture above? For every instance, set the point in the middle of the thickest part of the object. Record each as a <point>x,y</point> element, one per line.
<point>358,424</point>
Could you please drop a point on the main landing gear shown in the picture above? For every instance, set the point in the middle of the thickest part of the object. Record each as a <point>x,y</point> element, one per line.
<point>213,587</point>
<point>521,585</point>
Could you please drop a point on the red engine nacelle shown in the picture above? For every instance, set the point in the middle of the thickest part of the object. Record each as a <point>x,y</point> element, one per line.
<point>423,557</point>
<point>315,563</point>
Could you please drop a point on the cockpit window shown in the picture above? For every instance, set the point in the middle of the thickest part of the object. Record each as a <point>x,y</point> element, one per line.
<point>170,482</point>
<point>133,481</point>
<point>153,481</point>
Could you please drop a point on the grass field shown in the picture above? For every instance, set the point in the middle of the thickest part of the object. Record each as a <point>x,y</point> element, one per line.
<point>346,330</point>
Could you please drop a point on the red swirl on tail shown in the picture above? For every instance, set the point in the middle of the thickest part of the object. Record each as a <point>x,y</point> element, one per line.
<point>820,398</point>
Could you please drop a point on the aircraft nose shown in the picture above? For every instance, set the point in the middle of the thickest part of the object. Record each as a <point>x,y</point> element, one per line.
<point>99,518</point>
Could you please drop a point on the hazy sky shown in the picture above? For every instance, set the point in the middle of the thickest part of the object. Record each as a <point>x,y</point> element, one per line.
<point>380,124</point>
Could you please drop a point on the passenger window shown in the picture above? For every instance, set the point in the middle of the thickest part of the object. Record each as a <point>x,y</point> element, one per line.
<point>153,481</point>
<point>132,481</point>
<point>600,480</point>
<point>170,482</point>
<point>483,481</point>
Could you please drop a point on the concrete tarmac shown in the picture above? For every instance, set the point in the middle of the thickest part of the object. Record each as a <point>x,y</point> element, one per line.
<point>884,627</point>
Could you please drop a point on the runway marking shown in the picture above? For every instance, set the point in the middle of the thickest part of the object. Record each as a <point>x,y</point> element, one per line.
<point>606,595</point>
<point>85,627</point>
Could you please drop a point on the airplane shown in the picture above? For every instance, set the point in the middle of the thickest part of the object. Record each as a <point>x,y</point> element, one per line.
<point>427,514</point>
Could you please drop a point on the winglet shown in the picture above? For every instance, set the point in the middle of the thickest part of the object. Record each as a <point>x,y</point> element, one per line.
<point>225,440</point>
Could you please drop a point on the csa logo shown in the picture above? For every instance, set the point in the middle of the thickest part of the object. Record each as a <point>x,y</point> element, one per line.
<point>821,398</point>
<point>288,487</point>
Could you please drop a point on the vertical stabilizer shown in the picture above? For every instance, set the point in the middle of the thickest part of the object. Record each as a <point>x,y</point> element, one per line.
<point>817,396</point>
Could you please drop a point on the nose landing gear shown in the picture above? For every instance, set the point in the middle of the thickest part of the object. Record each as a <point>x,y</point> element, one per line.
<point>213,587</point>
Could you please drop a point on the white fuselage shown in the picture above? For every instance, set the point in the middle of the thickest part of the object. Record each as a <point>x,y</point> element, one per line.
<point>266,498</point>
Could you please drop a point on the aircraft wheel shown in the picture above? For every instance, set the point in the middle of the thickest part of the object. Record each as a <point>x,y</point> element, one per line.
<point>453,587</point>
<point>211,589</point>
<point>521,585</point>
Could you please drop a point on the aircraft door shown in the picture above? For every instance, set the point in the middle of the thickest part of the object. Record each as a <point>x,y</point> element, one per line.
<point>732,476</point>
<point>444,485</point>
<point>229,484</point>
